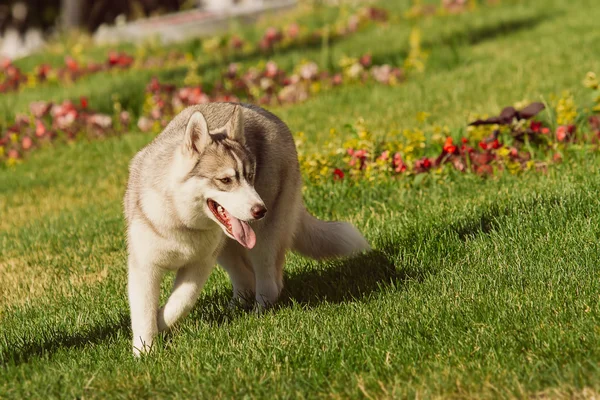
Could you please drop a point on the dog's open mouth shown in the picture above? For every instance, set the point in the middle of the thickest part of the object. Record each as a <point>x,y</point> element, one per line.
<point>238,229</point>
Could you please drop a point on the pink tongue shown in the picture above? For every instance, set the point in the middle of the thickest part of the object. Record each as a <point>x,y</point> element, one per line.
<point>242,232</point>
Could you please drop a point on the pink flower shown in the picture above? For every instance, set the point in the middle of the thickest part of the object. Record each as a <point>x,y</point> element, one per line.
<point>309,71</point>
<point>39,108</point>
<point>40,129</point>
<point>293,30</point>
<point>26,143</point>
<point>13,154</point>
<point>144,124</point>
<point>398,163</point>
<point>271,69</point>
<point>360,153</point>
<point>102,121</point>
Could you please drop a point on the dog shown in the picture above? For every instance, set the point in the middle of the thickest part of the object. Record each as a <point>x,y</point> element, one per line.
<point>221,184</point>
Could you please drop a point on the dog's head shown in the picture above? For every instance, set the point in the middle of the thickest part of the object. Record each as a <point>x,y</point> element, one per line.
<point>221,173</point>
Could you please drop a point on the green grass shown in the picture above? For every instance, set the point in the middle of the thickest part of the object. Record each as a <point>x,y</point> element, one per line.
<point>478,288</point>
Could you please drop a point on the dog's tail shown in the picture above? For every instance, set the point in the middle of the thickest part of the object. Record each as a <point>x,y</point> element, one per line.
<point>323,239</point>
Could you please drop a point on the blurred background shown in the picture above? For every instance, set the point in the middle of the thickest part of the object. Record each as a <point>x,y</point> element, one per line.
<point>25,25</point>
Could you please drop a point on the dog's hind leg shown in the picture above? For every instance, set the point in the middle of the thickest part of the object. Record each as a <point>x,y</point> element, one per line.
<point>186,289</point>
<point>234,259</point>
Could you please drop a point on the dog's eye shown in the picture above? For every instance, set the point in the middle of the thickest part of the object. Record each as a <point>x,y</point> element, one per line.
<point>225,180</point>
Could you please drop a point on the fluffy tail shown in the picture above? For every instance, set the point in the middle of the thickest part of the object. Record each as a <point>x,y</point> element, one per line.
<point>323,239</point>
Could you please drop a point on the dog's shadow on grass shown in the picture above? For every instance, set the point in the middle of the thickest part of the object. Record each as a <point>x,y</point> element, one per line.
<point>310,285</point>
<point>344,280</point>
<point>334,281</point>
<point>314,283</point>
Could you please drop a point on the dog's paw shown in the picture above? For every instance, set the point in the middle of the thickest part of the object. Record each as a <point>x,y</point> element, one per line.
<point>141,347</point>
<point>243,302</point>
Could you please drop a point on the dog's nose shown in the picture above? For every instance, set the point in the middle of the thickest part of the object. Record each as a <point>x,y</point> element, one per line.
<point>258,211</point>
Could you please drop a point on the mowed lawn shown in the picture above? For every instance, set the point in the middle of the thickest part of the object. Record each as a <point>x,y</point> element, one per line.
<point>477,288</point>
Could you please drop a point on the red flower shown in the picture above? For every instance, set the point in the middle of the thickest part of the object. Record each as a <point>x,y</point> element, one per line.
<point>545,130</point>
<point>557,157</point>
<point>466,149</point>
<point>236,42</point>
<point>84,102</point>
<point>449,147</point>
<point>365,60</point>
<point>562,133</point>
<point>271,34</point>
<point>423,164</point>
<point>43,71</point>
<point>113,57</point>
<point>338,174</point>
<point>535,126</point>
<point>495,144</point>
<point>464,140</point>
<point>71,64</point>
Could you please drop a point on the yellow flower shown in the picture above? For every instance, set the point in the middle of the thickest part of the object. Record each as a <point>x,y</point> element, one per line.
<point>416,56</point>
<point>522,104</point>
<point>566,110</point>
<point>422,116</point>
<point>315,87</point>
<point>591,81</point>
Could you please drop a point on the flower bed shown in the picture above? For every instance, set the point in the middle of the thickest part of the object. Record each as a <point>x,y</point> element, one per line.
<point>220,47</point>
<point>514,141</point>
<point>265,84</point>
<point>518,139</point>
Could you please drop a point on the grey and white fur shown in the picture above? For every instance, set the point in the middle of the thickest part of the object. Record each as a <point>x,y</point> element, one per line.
<point>191,197</point>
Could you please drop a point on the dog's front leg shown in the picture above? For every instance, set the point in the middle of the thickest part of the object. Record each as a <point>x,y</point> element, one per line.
<point>186,289</point>
<point>144,292</point>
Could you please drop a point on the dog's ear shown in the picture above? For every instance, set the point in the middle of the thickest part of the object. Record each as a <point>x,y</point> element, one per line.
<point>235,126</point>
<point>197,136</point>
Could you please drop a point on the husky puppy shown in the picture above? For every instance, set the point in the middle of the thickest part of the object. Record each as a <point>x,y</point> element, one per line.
<point>220,184</point>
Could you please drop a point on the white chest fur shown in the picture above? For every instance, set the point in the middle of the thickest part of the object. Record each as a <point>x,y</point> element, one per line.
<point>174,248</point>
